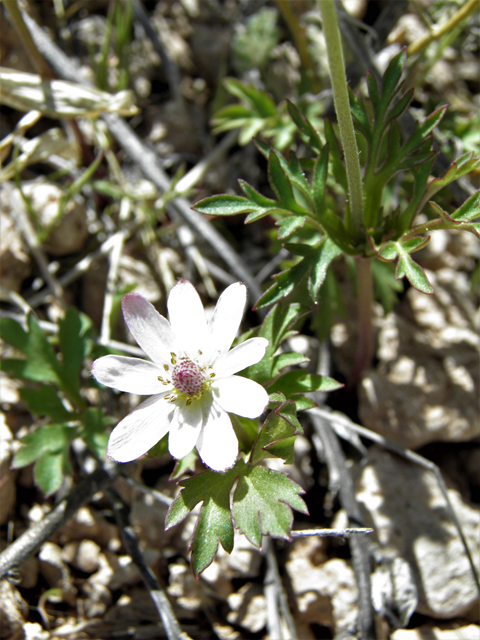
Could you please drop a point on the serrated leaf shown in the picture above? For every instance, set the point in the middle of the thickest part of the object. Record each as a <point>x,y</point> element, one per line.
<point>300,381</point>
<point>281,424</point>
<point>225,205</point>
<point>262,103</point>
<point>50,438</point>
<point>285,283</point>
<point>45,401</point>
<point>307,131</point>
<point>319,179</point>
<point>276,327</point>
<point>41,364</point>
<point>214,523</point>
<point>289,225</point>
<point>187,463</point>
<point>263,503</point>
<point>462,165</point>
<point>280,183</point>
<point>326,253</point>
<point>406,266</point>
<point>288,359</point>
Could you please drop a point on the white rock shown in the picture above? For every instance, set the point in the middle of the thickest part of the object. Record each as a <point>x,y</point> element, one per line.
<point>404,505</point>
<point>14,260</point>
<point>444,632</point>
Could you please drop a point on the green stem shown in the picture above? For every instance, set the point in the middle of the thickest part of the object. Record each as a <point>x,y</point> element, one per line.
<point>344,116</point>
<point>365,328</point>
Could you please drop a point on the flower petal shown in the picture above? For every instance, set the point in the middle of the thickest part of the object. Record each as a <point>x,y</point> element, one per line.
<point>187,317</point>
<point>152,331</point>
<point>243,355</point>
<point>132,375</point>
<point>225,321</point>
<point>217,444</point>
<point>241,396</point>
<point>185,428</point>
<point>140,430</point>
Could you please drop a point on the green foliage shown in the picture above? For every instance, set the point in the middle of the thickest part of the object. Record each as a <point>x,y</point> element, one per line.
<point>48,447</point>
<point>252,44</point>
<point>311,192</point>
<point>261,504</point>
<point>55,395</point>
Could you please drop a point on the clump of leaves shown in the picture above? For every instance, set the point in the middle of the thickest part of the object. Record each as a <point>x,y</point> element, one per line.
<point>311,206</point>
<point>52,391</point>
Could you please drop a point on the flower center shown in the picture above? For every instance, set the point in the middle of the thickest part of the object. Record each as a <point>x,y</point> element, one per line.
<point>188,378</point>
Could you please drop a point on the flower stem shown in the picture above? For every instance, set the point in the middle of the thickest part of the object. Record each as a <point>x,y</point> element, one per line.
<point>344,117</point>
<point>464,12</point>
<point>365,332</point>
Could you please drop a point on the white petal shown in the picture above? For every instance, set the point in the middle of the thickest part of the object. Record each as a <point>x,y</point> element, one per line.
<point>152,331</point>
<point>225,321</point>
<point>243,355</point>
<point>187,317</point>
<point>185,428</point>
<point>140,430</point>
<point>241,396</point>
<point>218,444</point>
<point>129,374</point>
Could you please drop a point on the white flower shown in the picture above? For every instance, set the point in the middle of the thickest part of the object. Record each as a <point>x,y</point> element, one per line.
<point>190,380</point>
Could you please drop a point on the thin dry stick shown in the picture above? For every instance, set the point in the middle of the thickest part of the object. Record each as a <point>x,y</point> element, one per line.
<point>326,533</point>
<point>28,232</point>
<point>130,542</point>
<point>112,277</point>
<point>359,545</point>
<point>81,267</point>
<point>275,596</point>
<point>462,14</point>
<point>31,541</point>
<point>337,419</point>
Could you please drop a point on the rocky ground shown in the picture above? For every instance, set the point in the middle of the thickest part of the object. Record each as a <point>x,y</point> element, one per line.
<point>410,431</point>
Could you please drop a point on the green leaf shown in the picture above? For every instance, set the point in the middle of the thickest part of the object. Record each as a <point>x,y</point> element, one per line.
<point>320,173</point>
<point>285,283</point>
<point>41,364</point>
<point>281,425</point>
<point>96,431</point>
<point>307,131</point>
<point>335,155</point>
<point>289,225</point>
<point>50,470</point>
<point>74,344</point>
<point>325,254</point>
<point>262,504</point>
<point>463,165</point>
<point>214,523</point>
<point>300,381</point>
<point>414,272</point>
<point>45,401</point>
<point>187,463</point>
<point>287,359</point>
<point>280,183</point>
<point>261,102</point>
<point>276,328</point>
<point>225,205</point>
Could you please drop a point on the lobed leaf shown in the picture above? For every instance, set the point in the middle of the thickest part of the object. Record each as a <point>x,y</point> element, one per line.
<point>263,503</point>
<point>281,426</point>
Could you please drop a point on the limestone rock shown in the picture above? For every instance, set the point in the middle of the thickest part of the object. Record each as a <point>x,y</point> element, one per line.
<point>427,383</point>
<point>405,506</point>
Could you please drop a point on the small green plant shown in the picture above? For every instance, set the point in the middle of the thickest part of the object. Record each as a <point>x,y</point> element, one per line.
<point>313,204</point>
<point>52,392</point>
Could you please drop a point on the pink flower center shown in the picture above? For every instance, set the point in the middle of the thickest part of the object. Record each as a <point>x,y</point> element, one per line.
<point>188,378</point>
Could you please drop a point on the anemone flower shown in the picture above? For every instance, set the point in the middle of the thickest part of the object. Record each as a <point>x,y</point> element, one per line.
<point>191,378</point>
